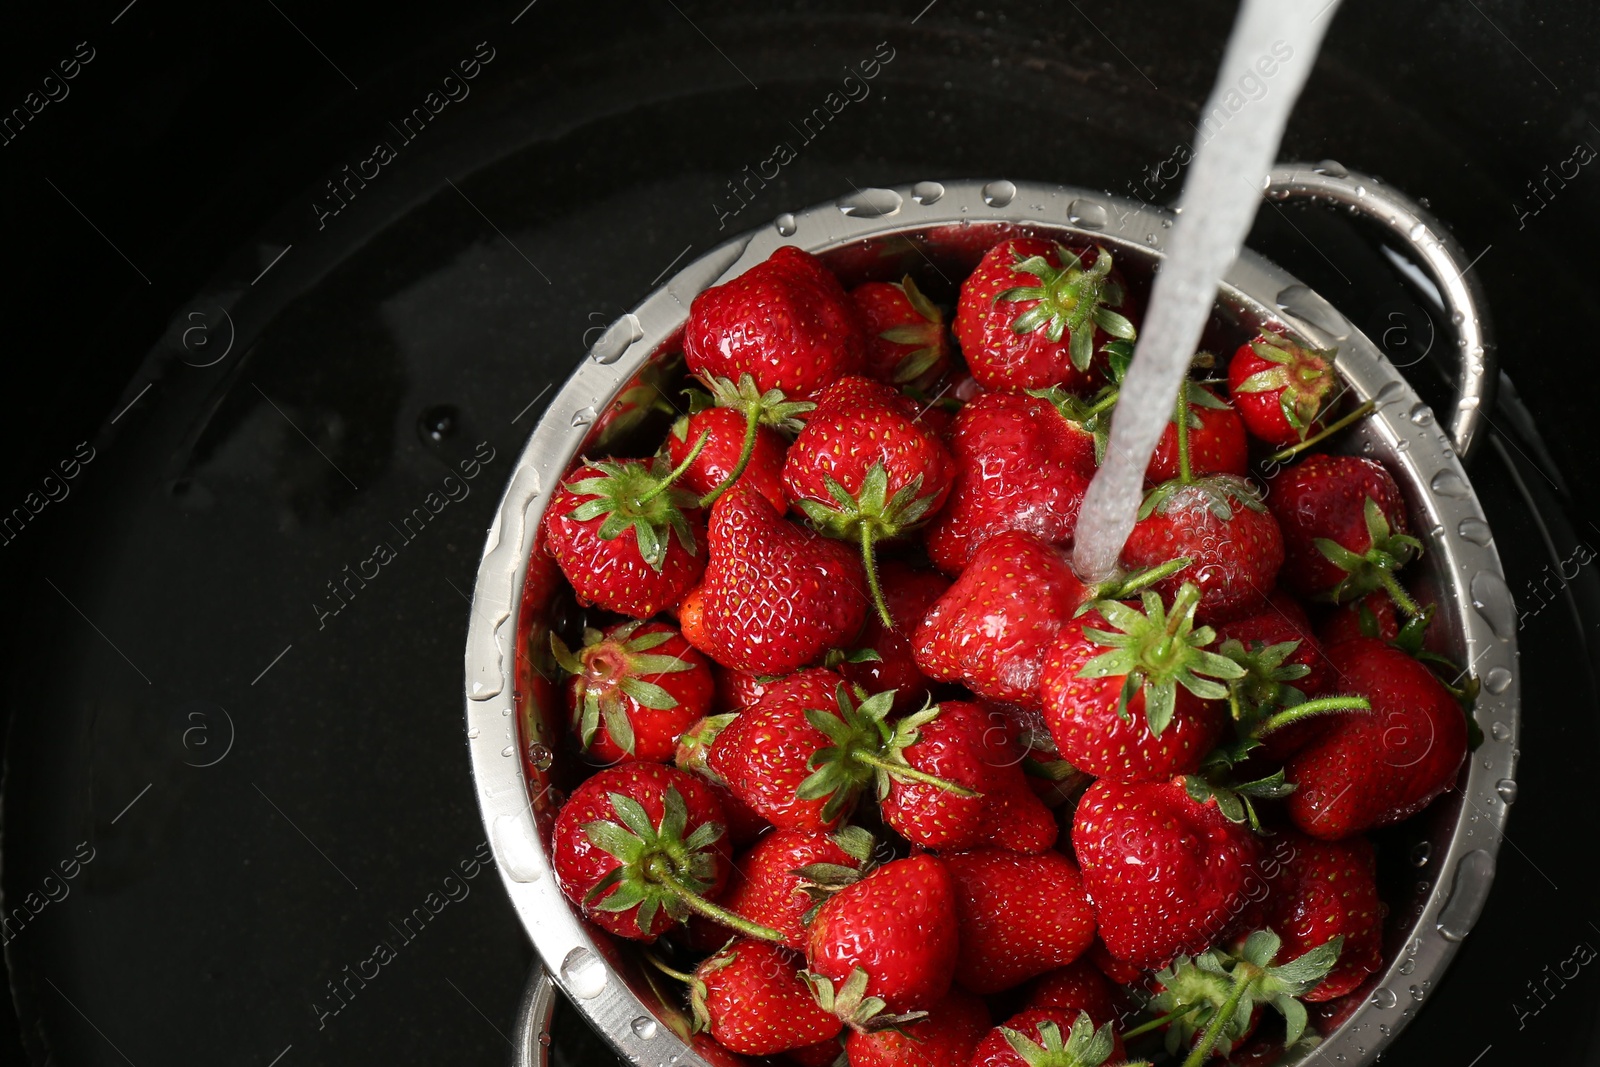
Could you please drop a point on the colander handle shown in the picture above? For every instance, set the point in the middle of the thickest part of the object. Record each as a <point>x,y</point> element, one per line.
<point>531,1045</point>
<point>1439,252</point>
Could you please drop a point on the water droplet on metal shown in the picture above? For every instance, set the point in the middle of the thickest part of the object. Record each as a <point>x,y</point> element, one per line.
<point>1475,530</point>
<point>1408,965</point>
<point>999,193</point>
<point>1499,731</point>
<point>1493,601</point>
<point>1507,788</point>
<point>583,973</point>
<point>584,416</point>
<point>871,203</point>
<point>616,340</point>
<point>472,734</point>
<point>785,224</point>
<point>1391,392</point>
<point>1310,308</point>
<point>1332,168</point>
<point>1448,483</point>
<point>1088,214</point>
<point>1474,875</point>
<point>1498,680</point>
<point>1420,853</point>
<point>1417,994</point>
<point>509,750</point>
<point>1384,998</point>
<point>1417,231</point>
<point>927,192</point>
<point>516,847</point>
<point>1422,414</point>
<point>644,1027</point>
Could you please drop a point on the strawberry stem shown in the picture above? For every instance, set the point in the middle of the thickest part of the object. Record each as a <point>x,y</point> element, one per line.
<point>1361,412</point>
<point>1122,588</point>
<point>677,472</point>
<point>659,871</point>
<point>752,423</point>
<point>869,561</point>
<point>905,772</point>
<point>654,961</point>
<point>1220,1018</point>
<point>1397,593</point>
<point>1156,1024</point>
<point>1185,472</point>
<point>1310,708</point>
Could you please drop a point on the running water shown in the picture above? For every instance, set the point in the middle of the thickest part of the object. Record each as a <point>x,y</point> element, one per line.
<point>1268,58</point>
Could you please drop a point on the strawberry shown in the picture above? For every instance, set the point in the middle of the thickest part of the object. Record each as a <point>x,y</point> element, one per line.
<point>864,470</point>
<point>743,443</point>
<point>624,537</point>
<point>883,660</point>
<point>1374,769</point>
<point>967,745</point>
<point>770,881</point>
<point>1280,387</point>
<point>1164,872</point>
<point>1019,465</point>
<point>906,340</point>
<point>786,322</point>
<point>945,1038</point>
<point>822,1054</point>
<point>898,924</point>
<point>693,754</point>
<point>1222,525</point>
<point>994,626</point>
<point>751,997</point>
<point>1019,916</point>
<point>1217,443</point>
<point>1344,529</point>
<point>1140,702</point>
<point>1048,1037</point>
<point>775,596</point>
<point>638,847</point>
<point>1329,889</point>
<point>1079,986</point>
<point>1033,314</point>
<point>1374,615</point>
<point>737,690</point>
<point>633,689</point>
<point>801,756</point>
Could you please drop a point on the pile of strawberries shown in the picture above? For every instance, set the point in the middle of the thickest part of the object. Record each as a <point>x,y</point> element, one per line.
<point>878,771</point>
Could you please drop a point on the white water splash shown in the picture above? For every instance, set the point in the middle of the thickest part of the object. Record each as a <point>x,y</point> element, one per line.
<point>1237,141</point>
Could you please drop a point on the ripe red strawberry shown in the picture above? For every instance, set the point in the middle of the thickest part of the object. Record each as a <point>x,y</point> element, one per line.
<point>1019,916</point>
<point>1019,465</point>
<point>822,1054</point>
<point>1329,889</point>
<point>1217,443</point>
<point>775,596</point>
<point>624,537</point>
<point>898,924</point>
<point>633,689</point>
<point>693,754</point>
<point>753,1000</point>
<point>1033,314</point>
<point>946,1037</point>
<point>1344,529</point>
<point>802,756</point>
<point>994,627</point>
<point>865,471</point>
<point>770,880</point>
<point>737,690</point>
<point>639,846</point>
<point>1046,1037</point>
<point>968,745</point>
<point>1370,770</point>
<point>744,442</point>
<point>1280,387</point>
<point>906,340</point>
<point>1221,524</point>
<point>786,322</point>
<point>1079,986</point>
<point>908,593</point>
<point>1134,696</point>
<point>1374,615</point>
<point>1165,873</point>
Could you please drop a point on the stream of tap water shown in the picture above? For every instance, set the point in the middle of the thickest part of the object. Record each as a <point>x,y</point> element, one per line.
<point>1268,58</point>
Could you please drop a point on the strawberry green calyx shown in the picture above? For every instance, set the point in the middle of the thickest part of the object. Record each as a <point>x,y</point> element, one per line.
<point>608,669</point>
<point>926,335</point>
<point>866,748</point>
<point>658,867</point>
<point>1355,415</point>
<point>869,517</point>
<point>1373,569</point>
<point>1209,999</point>
<point>1263,700</point>
<point>1071,299</point>
<point>1157,650</point>
<point>1304,374</point>
<point>770,408</point>
<point>1235,799</point>
<point>694,746</point>
<point>634,496</point>
<point>819,881</point>
<point>851,1004</point>
<point>1220,493</point>
<point>1081,1046</point>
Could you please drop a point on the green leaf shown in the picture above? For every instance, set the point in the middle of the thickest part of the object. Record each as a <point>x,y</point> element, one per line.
<point>633,816</point>
<point>648,694</point>
<point>619,726</point>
